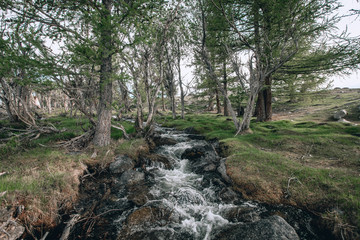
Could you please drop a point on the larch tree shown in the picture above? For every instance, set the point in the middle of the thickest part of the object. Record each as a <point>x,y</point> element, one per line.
<point>106,22</point>
<point>270,33</point>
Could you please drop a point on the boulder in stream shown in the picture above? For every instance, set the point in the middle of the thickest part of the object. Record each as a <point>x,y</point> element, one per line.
<point>157,160</point>
<point>241,214</point>
<point>121,164</point>
<point>197,152</point>
<point>191,130</point>
<point>131,177</point>
<point>160,141</point>
<point>271,228</point>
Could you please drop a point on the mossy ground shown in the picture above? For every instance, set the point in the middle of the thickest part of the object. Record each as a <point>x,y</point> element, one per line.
<point>311,164</point>
<point>44,177</point>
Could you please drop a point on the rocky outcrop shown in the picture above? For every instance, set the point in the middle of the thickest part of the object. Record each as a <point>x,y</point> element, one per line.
<point>272,228</point>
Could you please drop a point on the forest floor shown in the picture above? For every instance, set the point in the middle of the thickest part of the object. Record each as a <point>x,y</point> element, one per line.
<point>302,158</point>
<point>39,178</point>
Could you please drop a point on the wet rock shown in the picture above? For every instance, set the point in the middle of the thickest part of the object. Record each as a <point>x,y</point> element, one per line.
<point>157,160</point>
<point>241,214</point>
<point>138,194</point>
<point>147,216</point>
<point>151,234</point>
<point>210,167</point>
<point>272,228</point>
<point>191,130</point>
<point>121,164</point>
<point>196,137</point>
<point>196,152</point>
<point>140,224</point>
<point>222,170</point>
<point>340,114</point>
<point>160,141</point>
<point>131,177</point>
<point>228,195</point>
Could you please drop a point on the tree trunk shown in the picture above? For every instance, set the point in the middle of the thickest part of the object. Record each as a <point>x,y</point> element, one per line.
<point>162,99</point>
<point>146,78</point>
<point>218,105</point>
<point>211,102</point>
<point>48,104</point>
<point>173,105</point>
<point>103,127</point>
<point>149,120</point>
<point>226,110</point>
<point>245,123</point>
<point>6,100</point>
<point>182,96</point>
<point>264,103</point>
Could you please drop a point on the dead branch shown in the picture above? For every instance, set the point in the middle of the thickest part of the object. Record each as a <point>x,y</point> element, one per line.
<point>288,193</point>
<point>121,127</point>
<point>79,142</point>
<point>31,133</point>
<point>70,224</point>
<point>44,237</point>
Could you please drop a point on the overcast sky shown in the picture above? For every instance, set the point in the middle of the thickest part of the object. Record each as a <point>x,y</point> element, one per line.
<point>352,23</point>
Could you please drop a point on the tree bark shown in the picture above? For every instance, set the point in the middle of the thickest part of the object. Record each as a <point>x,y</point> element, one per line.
<point>146,78</point>
<point>245,123</point>
<point>182,96</point>
<point>218,105</point>
<point>226,110</point>
<point>264,102</point>
<point>103,126</point>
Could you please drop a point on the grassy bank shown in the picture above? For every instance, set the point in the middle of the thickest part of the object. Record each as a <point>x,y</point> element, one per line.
<point>43,177</point>
<point>308,164</point>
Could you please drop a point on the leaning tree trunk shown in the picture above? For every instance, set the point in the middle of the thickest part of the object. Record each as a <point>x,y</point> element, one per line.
<point>103,126</point>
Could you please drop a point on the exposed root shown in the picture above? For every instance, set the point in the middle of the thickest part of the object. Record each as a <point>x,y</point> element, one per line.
<point>70,224</point>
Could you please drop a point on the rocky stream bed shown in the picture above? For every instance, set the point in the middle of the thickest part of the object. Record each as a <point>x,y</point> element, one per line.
<point>180,190</point>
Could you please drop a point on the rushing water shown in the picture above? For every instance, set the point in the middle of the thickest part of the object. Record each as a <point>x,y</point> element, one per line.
<point>197,211</point>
